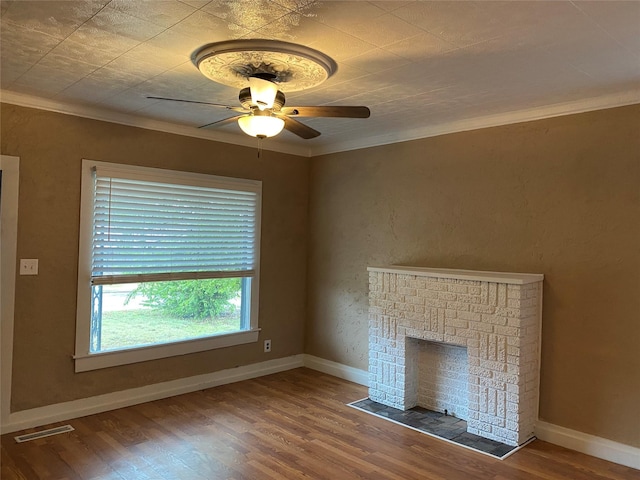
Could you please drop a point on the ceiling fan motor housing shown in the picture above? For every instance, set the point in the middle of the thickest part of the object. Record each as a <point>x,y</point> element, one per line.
<point>245,99</point>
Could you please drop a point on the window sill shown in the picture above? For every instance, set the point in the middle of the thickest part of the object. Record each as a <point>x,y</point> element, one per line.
<point>95,361</point>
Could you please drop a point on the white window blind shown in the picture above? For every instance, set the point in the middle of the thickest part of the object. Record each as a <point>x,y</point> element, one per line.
<point>145,230</point>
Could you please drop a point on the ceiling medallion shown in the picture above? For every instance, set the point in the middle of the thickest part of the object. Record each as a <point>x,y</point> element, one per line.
<point>291,66</point>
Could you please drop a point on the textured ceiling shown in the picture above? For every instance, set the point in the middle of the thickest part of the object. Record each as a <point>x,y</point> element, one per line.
<point>422,67</point>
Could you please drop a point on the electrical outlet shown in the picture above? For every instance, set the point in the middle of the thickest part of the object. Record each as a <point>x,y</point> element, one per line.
<point>28,266</point>
<point>267,346</point>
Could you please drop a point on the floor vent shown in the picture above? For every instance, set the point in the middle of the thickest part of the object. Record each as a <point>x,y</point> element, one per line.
<point>43,433</point>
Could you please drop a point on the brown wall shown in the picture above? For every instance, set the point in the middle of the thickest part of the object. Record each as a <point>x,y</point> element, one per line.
<point>557,196</point>
<point>51,147</point>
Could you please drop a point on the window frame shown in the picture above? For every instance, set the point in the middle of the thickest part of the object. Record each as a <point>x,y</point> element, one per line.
<point>84,359</point>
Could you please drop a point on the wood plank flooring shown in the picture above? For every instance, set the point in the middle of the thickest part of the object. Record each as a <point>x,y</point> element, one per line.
<point>291,425</point>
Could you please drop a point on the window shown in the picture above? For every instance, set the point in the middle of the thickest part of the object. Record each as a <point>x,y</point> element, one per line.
<point>168,264</point>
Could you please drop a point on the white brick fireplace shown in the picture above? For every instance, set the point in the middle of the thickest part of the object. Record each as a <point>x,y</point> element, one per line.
<point>465,341</point>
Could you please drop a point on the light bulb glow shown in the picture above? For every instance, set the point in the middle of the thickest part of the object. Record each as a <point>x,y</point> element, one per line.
<point>263,92</point>
<point>261,125</point>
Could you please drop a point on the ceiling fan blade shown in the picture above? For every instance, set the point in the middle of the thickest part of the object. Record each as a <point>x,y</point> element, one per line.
<point>327,111</point>
<point>194,101</point>
<point>298,128</point>
<point>225,121</point>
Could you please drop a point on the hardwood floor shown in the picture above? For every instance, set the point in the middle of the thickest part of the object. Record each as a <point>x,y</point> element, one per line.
<point>290,425</point>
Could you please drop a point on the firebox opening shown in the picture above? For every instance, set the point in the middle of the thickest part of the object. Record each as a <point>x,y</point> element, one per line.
<point>442,372</point>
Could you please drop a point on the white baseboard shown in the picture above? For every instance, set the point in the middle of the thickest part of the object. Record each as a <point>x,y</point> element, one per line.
<point>589,444</point>
<point>337,370</point>
<point>37,417</point>
<point>564,437</point>
<point>572,439</point>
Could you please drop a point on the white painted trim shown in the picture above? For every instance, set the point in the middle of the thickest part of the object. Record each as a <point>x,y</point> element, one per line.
<point>10,167</point>
<point>85,360</point>
<point>110,401</point>
<point>95,361</point>
<point>590,444</point>
<point>574,440</point>
<point>629,97</point>
<point>133,120</point>
<point>339,370</point>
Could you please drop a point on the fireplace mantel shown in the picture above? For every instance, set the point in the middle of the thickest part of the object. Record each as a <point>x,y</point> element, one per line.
<point>477,275</point>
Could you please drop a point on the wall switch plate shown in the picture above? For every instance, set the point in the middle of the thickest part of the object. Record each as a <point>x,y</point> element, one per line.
<point>28,266</point>
<point>267,346</point>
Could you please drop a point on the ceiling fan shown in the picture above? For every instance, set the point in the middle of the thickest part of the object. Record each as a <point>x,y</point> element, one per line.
<point>263,112</point>
<point>269,67</point>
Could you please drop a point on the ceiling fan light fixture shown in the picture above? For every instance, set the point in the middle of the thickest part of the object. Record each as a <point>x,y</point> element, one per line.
<point>263,92</point>
<point>261,126</point>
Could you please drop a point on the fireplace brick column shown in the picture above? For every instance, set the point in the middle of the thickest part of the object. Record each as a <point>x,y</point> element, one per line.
<point>496,316</point>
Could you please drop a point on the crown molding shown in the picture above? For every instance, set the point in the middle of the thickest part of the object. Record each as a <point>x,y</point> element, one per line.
<point>630,97</point>
<point>133,120</point>
<point>603,102</point>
